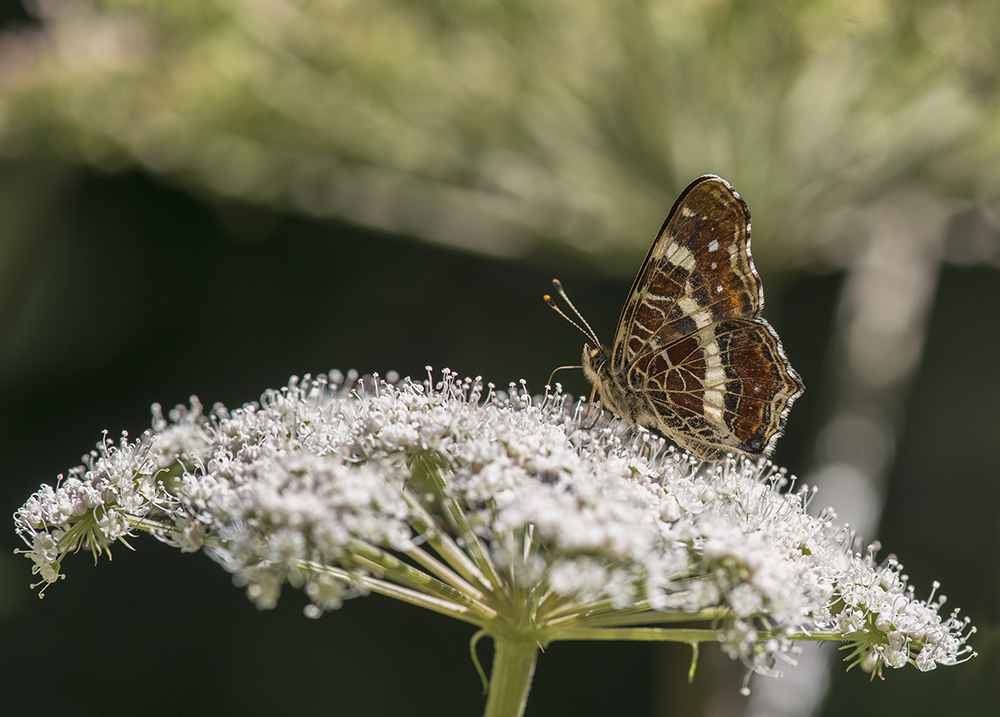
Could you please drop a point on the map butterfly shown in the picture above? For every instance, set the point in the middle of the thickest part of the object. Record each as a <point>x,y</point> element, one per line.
<point>692,358</point>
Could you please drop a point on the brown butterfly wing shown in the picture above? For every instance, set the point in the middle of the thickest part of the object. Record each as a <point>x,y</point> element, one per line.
<point>726,388</point>
<point>697,270</point>
<point>689,340</point>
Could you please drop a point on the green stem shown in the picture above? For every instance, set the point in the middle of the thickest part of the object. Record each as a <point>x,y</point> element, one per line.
<point>510,682</point>
<point>644,634</point>
<point>611,618</point>
<point>662,634</point>
<point>831,636</point>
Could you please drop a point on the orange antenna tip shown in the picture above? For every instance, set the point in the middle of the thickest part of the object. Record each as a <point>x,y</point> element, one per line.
<point>588,332</point>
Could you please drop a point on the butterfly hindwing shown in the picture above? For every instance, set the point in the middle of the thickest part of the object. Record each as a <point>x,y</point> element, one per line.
<point>727,385</point>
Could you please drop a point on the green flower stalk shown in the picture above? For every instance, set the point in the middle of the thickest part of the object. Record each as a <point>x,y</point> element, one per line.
<point>499,509</point>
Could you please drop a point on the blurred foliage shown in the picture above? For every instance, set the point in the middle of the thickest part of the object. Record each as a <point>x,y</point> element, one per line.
<point>524,126</point>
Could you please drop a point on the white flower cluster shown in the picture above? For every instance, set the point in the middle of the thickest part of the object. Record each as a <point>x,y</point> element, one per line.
<point>879,612</point>
<point>491,509</point>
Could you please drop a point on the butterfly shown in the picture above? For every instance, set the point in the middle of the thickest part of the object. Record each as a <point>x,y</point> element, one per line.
<point>692,358</point>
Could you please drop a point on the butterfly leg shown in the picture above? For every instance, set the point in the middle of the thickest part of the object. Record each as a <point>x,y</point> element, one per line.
<point>590,404</point>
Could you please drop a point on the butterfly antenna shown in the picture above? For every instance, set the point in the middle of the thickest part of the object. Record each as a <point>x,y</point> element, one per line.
<point>589,332</point>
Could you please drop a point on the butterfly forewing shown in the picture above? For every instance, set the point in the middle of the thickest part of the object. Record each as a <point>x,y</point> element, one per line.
<point>698,271</point>
<point>691,356</point>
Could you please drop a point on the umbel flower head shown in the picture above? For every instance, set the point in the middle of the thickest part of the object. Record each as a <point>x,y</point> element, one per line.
<point>496,508</point>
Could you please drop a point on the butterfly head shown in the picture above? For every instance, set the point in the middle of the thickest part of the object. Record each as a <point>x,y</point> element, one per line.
<point>595,363</point>
<point>594,359</point>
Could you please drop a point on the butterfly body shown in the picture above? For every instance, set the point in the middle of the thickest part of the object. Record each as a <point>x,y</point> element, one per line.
<point>691,357</point>
<point>616,394</point>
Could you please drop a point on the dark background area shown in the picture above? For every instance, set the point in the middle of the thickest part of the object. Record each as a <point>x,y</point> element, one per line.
<point>163,295</point>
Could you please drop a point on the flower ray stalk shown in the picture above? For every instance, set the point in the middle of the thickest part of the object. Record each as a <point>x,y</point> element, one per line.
<point>495,582</point>
<point>388,589</point>
<point>425,526</point>
<point>380,561</point>
<point>443,572</point>
<point>502,511</point>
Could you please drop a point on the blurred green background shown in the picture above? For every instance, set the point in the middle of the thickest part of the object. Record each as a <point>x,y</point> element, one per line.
<point>206,197</point>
